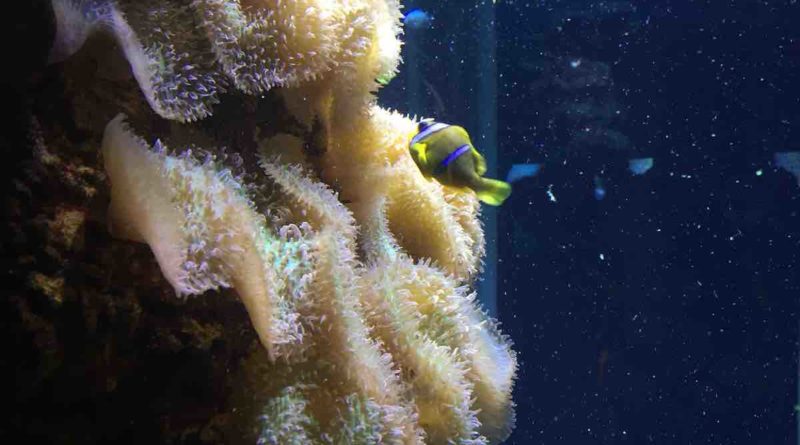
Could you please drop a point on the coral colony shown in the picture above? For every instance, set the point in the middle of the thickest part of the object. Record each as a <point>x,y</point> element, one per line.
<point>353,267</point>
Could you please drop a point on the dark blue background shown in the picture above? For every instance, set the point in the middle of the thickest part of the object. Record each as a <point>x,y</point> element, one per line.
<point>685,331</point>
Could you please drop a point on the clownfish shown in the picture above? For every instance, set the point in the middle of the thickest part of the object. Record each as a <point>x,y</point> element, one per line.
<point>444,152</point>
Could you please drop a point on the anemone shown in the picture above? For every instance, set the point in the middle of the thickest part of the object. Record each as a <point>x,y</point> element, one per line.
<point>354,269</point>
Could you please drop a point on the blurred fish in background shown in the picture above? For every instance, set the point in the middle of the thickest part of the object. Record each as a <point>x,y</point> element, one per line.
<point>640,166</point>
<point>599,188</point>
<point>789,161</point>
<point>522,171</point>
<point>417,19</point>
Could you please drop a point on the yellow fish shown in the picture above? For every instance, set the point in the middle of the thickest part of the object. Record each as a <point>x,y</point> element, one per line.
<point>444,152</point>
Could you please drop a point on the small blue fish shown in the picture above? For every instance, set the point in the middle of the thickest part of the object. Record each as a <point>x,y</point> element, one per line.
<point>417,19</point>
<point>640,166</point>
<point>599,188</point>
<point>522,171</point>
<point>789,161</point>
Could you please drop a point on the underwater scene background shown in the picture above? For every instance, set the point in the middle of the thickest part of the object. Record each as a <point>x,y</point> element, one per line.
<point>666,310</point>
<point>642,271</point>
<point>646,308</point>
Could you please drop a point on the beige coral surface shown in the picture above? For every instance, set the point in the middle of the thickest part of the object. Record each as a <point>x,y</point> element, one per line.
<point>355,270</point>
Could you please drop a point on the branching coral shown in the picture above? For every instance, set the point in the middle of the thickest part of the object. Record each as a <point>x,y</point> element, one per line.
<point>360,297</point>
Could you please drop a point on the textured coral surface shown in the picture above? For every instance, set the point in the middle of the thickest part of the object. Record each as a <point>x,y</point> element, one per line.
<point>217,235</point>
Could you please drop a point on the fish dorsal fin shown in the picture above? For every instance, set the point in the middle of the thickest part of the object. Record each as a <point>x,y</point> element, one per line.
<point>480,162</point>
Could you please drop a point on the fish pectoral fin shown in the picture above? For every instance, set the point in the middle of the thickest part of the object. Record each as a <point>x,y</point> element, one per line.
<point>419,153</point>
<point>492,191</point>
<point>480,162</point>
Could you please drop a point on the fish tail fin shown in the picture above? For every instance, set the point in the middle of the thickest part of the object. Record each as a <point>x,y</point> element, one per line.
<point>492,191</point>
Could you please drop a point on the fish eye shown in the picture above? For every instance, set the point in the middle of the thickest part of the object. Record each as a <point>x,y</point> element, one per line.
<point>425,123</point>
